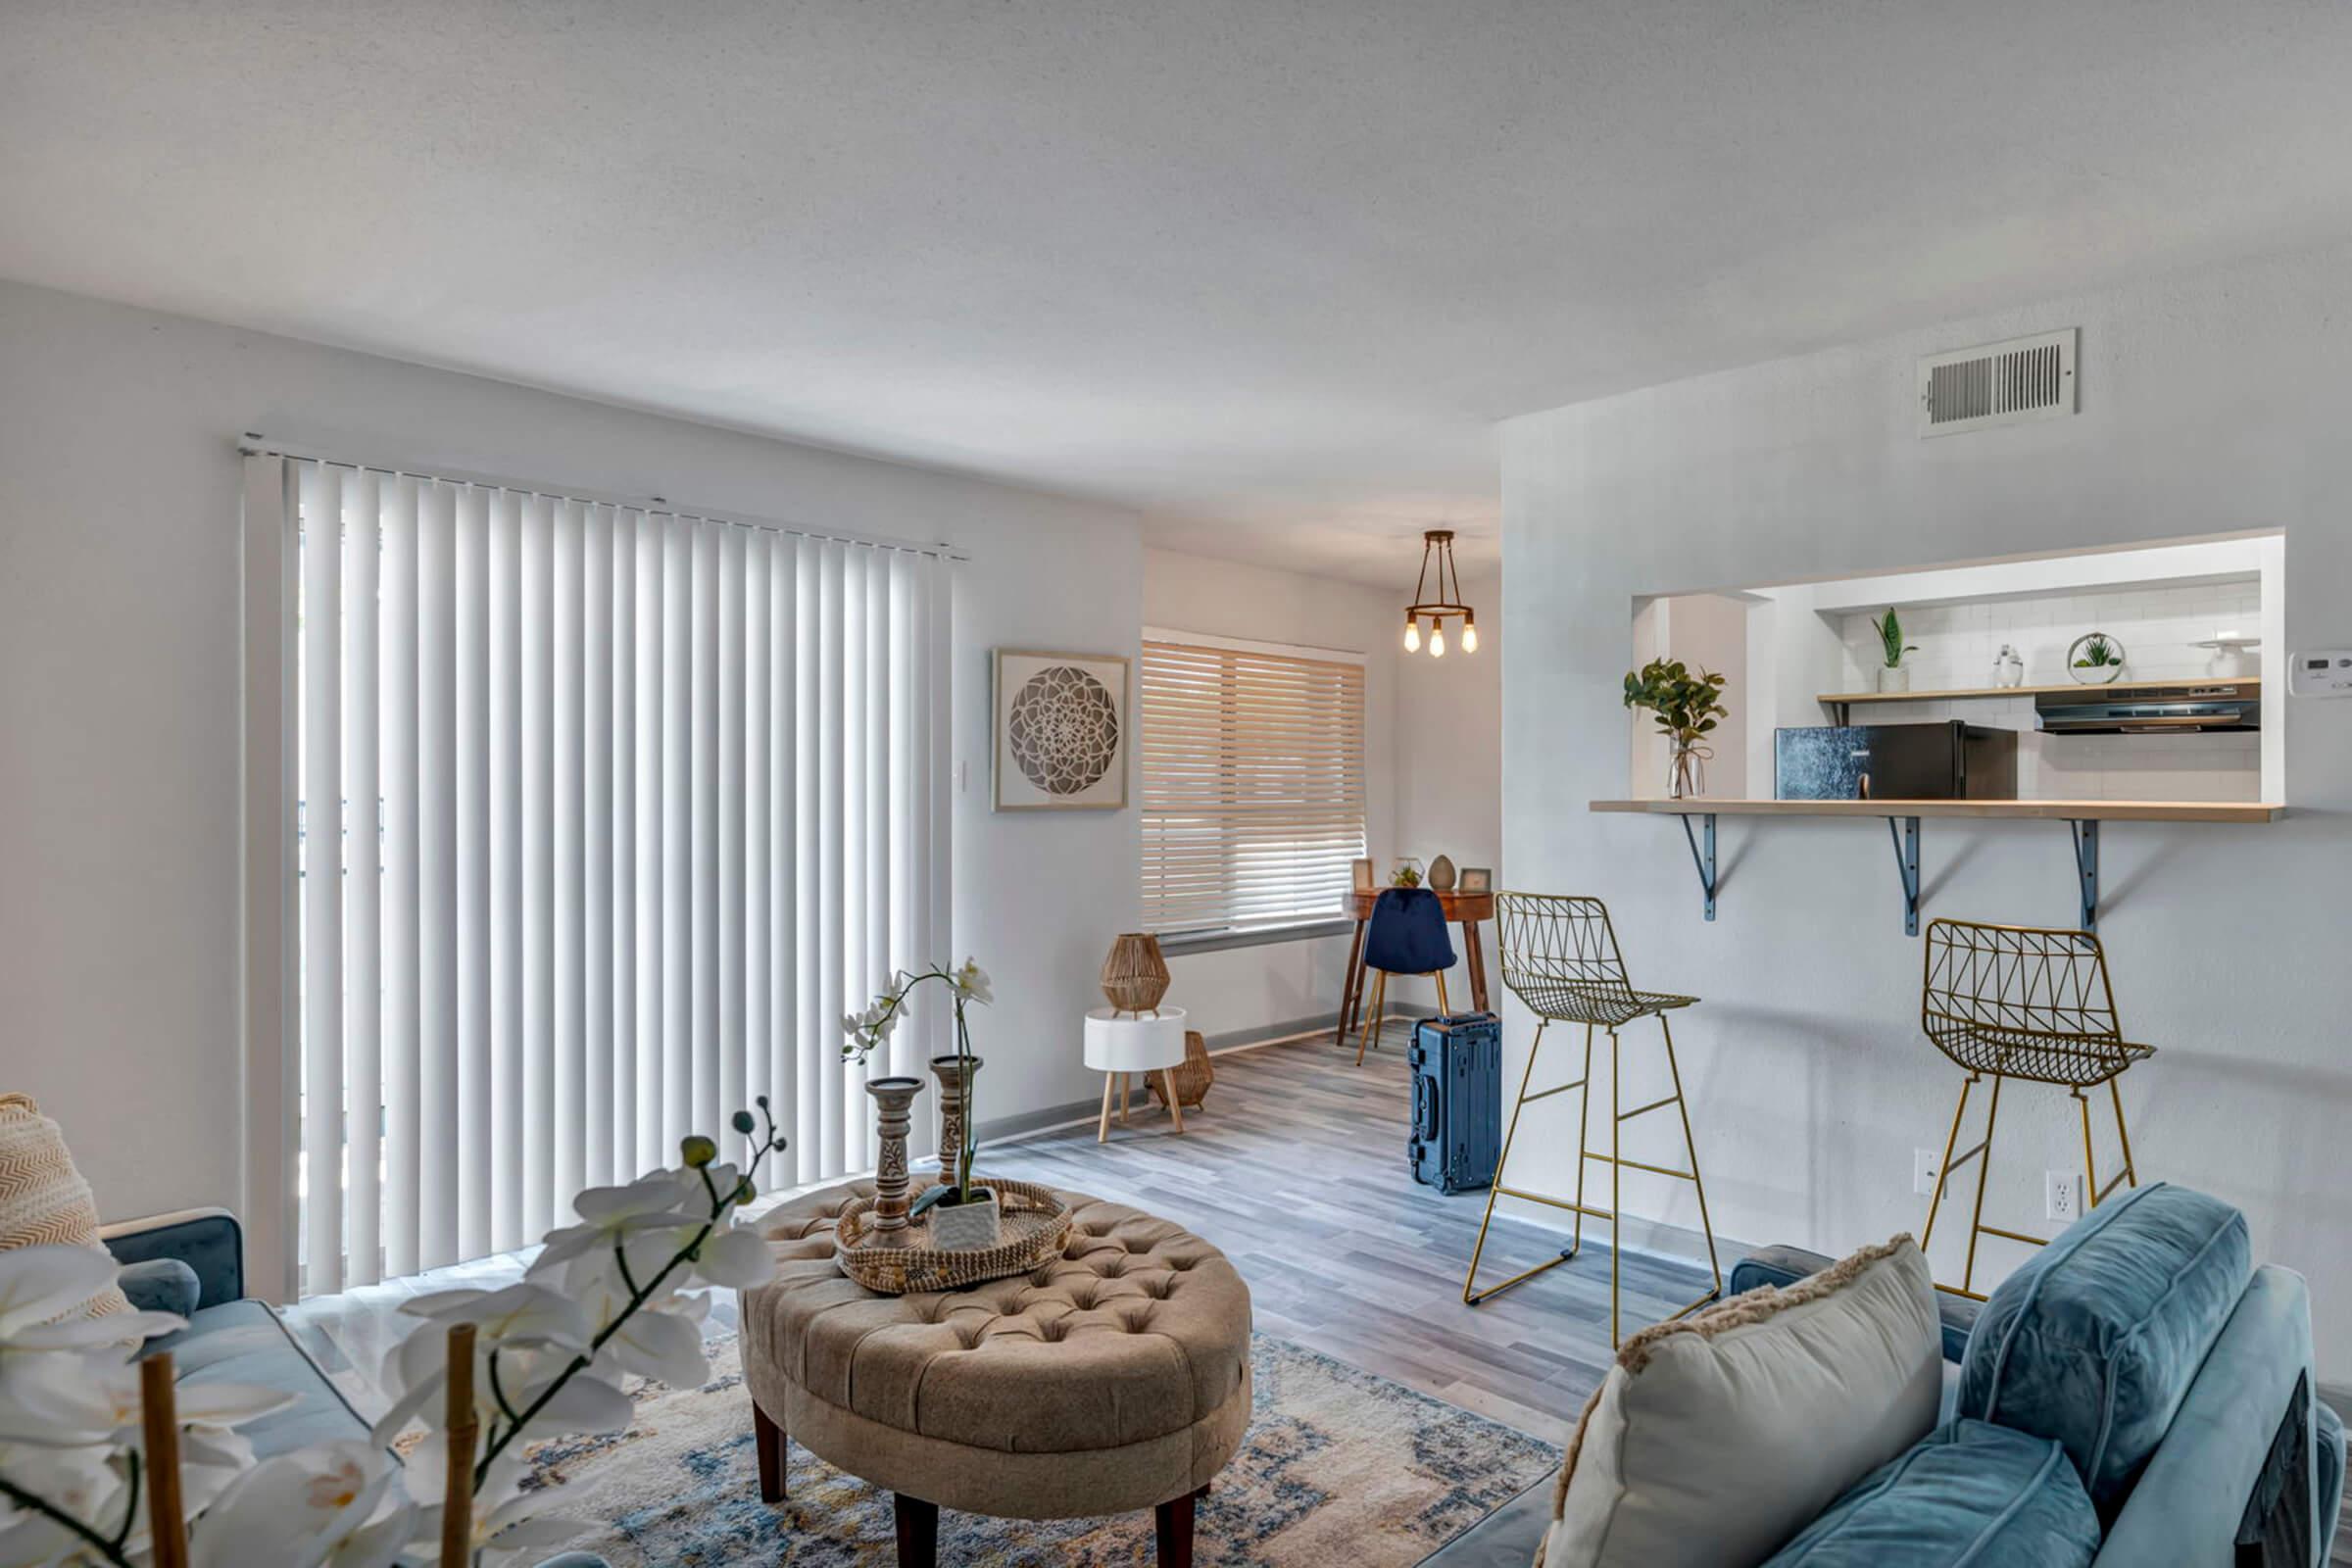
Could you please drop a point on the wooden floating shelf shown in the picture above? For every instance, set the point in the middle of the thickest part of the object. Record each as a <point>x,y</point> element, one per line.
<point>2013,810</point>
<point>2081,818</point>
<point>1969,694</point>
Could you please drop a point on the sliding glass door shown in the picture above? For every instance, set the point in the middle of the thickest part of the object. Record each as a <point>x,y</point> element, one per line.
<point>605,815</point>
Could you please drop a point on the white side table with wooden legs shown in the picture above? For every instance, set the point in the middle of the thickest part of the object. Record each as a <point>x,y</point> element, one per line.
<point>1121,1042</point>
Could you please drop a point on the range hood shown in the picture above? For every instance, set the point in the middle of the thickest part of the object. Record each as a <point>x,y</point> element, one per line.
<point>2177,708</point>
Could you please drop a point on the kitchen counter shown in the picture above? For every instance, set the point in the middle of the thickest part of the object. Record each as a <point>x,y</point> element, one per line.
<point>2024,811</point>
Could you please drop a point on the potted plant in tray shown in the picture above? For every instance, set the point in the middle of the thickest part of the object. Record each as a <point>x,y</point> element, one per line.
<point>1893,676</point>
<point>1687,706</point>
<point>2095,659</point>
<point>962,1215</point>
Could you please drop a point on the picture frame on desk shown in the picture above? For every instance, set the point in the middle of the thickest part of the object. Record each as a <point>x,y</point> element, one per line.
<point>1476,879</point>
<point>1363,876</point>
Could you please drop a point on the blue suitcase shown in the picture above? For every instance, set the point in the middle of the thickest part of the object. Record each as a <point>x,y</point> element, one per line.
<point>1457,1100</point>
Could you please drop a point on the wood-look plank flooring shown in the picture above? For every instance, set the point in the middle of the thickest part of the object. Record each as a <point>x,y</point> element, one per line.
<point>1295,1167</point>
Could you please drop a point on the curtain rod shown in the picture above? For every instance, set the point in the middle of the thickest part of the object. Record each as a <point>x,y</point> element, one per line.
<point>255,444</point>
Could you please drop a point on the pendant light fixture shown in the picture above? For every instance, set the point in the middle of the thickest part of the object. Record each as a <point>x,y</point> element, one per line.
<point>1437,545</point>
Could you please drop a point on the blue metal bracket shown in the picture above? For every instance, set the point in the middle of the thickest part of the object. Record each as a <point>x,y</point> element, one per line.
<point>2087,869</point>
<point>1906,866</point>
<point>1703,859</point>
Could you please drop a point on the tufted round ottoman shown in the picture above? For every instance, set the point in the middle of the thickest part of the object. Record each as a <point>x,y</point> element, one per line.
<point>1114,1377</point>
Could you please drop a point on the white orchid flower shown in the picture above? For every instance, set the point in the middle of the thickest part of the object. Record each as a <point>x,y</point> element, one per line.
<point>737,1258</point>
<point>522,1317</point>
<point>331,1505</point>
<point>520,1526</point>
<point>71,1401</point>
<point>656,1202</point>
<point>665,1345</point>
<point>41,1289</point>
<point>89,1483</point>
<point>92,1484</point>
<point>972,983</point>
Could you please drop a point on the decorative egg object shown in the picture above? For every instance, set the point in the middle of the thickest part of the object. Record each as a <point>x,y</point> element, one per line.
<point>1442,873</point>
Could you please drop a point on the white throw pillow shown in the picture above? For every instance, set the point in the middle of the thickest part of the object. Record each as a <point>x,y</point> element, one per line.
<point>1714,1440</point>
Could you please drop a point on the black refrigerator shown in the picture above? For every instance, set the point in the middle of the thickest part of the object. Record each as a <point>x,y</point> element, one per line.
<point>1946,761</point>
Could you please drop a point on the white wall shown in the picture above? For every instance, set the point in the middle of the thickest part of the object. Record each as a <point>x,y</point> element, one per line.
<point>1431,752</point>
<point>2211,403</point>
<point>119,723</point>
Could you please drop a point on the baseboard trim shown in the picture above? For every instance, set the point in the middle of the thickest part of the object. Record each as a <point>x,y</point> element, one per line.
<point>1079,1111</point>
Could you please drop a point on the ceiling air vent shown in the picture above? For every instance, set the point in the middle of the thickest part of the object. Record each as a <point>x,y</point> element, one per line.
<point>1998,383</point>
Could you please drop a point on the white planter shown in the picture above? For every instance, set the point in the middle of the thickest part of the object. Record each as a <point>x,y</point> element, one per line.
<point>966,1227</point>
<point>1894,678</point>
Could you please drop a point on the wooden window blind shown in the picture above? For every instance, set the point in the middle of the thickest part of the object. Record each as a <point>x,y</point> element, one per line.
<point>1253,785</point>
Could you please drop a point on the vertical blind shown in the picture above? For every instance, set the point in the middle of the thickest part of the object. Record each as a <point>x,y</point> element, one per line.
<point>607,814</point>
<point>1253,785</point>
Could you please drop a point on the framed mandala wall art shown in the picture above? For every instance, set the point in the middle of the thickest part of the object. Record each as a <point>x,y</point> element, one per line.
<point>1061,731</point>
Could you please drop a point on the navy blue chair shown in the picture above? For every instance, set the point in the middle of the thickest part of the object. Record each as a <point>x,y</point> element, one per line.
<point>1407,935</point>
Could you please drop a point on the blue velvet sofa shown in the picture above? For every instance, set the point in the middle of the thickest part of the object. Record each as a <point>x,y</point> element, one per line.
<point>193,1263</point>
<point>2139,1394</point>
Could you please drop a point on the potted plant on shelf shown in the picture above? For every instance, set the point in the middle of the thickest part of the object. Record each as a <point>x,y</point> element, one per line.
<point>962,1215</point>
<point>2095,659</point>
<point>1893,676</point>
<point>1687,706</point>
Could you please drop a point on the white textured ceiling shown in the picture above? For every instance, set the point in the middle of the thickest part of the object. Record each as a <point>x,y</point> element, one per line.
<point>1267,272</point>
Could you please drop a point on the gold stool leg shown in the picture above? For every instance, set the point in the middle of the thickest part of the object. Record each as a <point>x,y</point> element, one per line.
<point>1442,1005</point>
<point>2090,1162</point>
<point>1616,1182</point>
<point>1379,999</point>
<point>1992,1114</point>
<point>2123,1133</point>
<point>1470,1295</point>
<point>1943,1172</point>
<point>1690,1146</point>
<point>1584,1131</point>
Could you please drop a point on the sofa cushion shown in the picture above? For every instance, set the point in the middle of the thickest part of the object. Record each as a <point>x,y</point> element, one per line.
<point>1714,1440</point>
<point>1785,1266</point>
<point>2096,1341</point>
<point>245,1341</point>
<point>1969,1494</point>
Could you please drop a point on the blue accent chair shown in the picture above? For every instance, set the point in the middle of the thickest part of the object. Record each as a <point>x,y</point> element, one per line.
<point>2139,1393</point>
<point>1407,935</point>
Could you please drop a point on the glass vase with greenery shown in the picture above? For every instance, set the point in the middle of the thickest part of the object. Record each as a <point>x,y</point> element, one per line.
<point>1687,706</point>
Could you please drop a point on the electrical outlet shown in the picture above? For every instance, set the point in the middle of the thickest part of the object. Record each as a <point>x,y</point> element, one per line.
<point>1926,1166</point>
<point>2062,1195</point>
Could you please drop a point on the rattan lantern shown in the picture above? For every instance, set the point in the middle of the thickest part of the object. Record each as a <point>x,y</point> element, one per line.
<point>1135,976</point>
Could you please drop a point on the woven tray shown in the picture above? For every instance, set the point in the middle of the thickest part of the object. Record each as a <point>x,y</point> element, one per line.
<point>1035,1224</point>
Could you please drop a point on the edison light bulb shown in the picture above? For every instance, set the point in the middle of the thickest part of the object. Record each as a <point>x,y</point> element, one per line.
<point>1412,635</point>
<point>1470,638</point>
<point>1437,642</point>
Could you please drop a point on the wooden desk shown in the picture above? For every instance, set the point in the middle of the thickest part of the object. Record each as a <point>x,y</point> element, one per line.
<point>1467,909</point>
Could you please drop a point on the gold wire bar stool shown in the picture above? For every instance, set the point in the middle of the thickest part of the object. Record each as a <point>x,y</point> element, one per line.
<point>2031,1003</point>
<point>1561,958</point>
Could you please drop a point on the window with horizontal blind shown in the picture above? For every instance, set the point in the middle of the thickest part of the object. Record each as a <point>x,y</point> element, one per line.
<point>1252,783</point>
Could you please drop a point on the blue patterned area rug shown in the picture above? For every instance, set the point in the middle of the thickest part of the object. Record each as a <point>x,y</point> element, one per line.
<point>1340,1469</point>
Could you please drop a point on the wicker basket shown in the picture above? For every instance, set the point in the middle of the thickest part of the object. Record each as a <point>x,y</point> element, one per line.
<point>1192,1079</point>
<point>1135,976</point>
<point>1035,1223</point>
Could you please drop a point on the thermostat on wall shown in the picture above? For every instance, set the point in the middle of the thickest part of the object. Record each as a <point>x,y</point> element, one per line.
<point>2322,672</point>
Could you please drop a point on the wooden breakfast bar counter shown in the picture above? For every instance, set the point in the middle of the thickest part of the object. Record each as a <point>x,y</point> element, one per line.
<point>2081,817</point>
